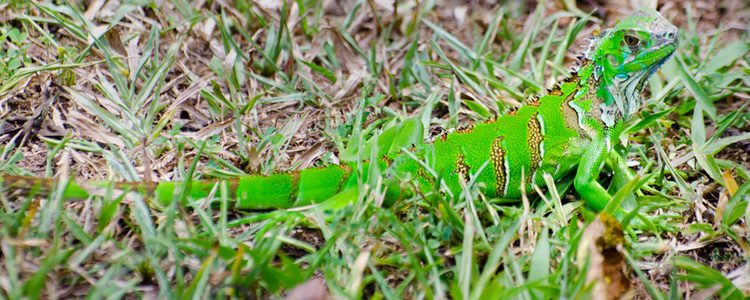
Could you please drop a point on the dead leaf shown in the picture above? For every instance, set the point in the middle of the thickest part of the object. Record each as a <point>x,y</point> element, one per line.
<point>313,289</point>
<point>94,7</point>
<point>28,243</point>
<point>253,160</point>
<point>731,183</point>
<point>133,56</point>
<point>188,93</point>
<point>211,130</point>
<point>311,154</point>
<point>113,38</point>
<point>602,244</point>
<point>207,28</point>
<point>88,128</point>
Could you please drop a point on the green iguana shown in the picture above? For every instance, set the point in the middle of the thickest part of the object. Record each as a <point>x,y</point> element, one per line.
<point>570,130</point>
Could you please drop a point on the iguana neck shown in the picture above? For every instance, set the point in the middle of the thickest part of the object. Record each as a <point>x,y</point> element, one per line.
<point>587,102</point>
<point>606,99</point>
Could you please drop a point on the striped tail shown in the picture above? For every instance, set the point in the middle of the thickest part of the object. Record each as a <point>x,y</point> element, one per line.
<point>283,190</point>
<point>252,192</point>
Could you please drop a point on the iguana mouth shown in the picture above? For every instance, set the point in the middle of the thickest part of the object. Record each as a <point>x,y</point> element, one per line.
<point>665,52</point>
<point>630,85</point>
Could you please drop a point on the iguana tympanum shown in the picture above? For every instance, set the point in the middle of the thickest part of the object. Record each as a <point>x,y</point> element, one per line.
<point>570,130</point>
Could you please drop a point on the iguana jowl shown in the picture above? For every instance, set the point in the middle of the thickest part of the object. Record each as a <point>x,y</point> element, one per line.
<point>570,129</point>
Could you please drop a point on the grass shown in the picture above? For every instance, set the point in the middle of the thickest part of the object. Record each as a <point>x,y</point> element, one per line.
<point>166,91</point>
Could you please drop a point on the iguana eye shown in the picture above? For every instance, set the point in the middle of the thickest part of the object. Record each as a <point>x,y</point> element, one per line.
<point>631,40</point>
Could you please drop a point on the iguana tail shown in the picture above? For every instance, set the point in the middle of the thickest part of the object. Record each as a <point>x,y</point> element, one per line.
<point>282,190</point>
<point>252,192</point>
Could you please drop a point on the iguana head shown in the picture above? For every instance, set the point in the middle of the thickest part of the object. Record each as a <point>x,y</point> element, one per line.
<point>625,56</point>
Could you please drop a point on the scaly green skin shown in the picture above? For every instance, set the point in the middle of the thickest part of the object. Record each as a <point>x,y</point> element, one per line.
<point>570,129</point>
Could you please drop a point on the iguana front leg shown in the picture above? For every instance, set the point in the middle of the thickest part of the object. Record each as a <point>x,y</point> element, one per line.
<point>587,175</point>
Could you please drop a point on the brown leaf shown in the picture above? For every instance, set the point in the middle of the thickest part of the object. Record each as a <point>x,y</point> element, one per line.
<point>602,244</point>
<point>311,154</point>
<point>113,37</point>
<point>133,55</point>
<point>88,128</point>
<point>732,186</point>
<point>725,195</point>
<point>212,129</point>
<point>253,160</point>
<point>313,289</point>
<point>193,90</point>
<point>94,8</point>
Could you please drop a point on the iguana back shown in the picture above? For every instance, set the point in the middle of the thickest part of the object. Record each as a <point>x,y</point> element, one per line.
<point>543,136</point>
